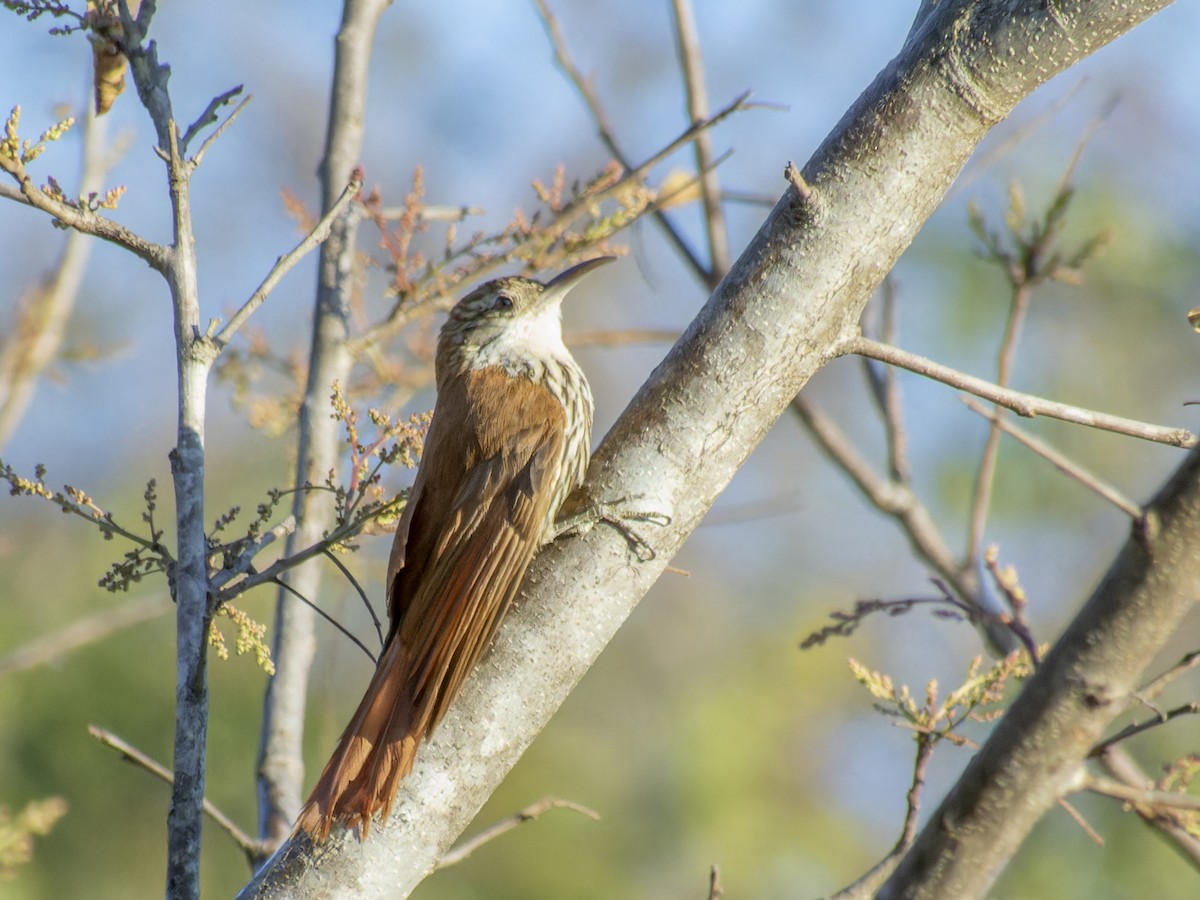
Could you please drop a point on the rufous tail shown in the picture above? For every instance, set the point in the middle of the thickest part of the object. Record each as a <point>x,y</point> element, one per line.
<point>374,753</point>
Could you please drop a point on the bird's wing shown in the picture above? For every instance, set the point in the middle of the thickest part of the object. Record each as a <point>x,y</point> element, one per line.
<point>476,516</point>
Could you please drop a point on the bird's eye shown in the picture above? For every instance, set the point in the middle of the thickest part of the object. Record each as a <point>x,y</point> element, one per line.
<point>502,303</point>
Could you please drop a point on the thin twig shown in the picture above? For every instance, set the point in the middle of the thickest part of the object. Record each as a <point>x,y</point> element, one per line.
<point>688,43</point>
<point>870,882</point>
<point>891,498</point>
<point>85,220</point>
<point>253,849</point>
<point>1081,822</point>
<point>208,117</point>
<point>1108,787</point>
<point>212,138</point>
<point>1156,685</point>
<point>796,179</point>
<point>1018,307</point>
<point>326,616</point>
<point>587,92</point>
<point>885,390</point>
<point>1121,766</point>
<point>1022,404</point>
<point>8,192</point>
<point>912,799</point>
<point>457,854</point>
<point>1187,709</point>
<point>245,559</point>
<point>432,213</point>
<point>312,240</point>
<point>49,647</point>
<point>1006,582</point>
<point>1060,461</point>
<point>361,593</point>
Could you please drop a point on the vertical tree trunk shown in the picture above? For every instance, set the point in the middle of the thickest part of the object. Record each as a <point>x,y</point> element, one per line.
<point>280,763</point>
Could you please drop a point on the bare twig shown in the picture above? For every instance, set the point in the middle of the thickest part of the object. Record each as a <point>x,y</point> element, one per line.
<point>1156,685</point>
<point>1160,800</point>
<point>892,498</point>
<point>1019,305</point>
<point>796,179</point>
<point>1121,766</point>
<point>885,390</point>
<point>587,92</point>
<point>253,849</point>
<point>1022,404</point>
<point>687,42</point>
<point>1187,709</point>
<point>869,883</point>
<point>466,848</point>
<point>432,213</point>
<point>208,117</point>
<point>361,593</point>
<point>80,633</point>
<point>1060,461</point>
<point>318,235</point>
<point>212,138</point>
<point>1083,823</point>
<point>326,616</point>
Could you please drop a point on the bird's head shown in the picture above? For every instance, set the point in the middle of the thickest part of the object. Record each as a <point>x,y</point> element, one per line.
<point>512,318</point>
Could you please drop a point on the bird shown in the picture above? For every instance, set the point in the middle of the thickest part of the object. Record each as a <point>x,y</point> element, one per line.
<point>509,440</point>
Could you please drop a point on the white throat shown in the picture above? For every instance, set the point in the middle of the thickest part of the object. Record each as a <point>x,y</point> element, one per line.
<point>527,337</point>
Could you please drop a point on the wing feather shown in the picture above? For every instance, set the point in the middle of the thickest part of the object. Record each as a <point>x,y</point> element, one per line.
<point>479,510</point>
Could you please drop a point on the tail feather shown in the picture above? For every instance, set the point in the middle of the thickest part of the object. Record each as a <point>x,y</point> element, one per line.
<point>374,753</point>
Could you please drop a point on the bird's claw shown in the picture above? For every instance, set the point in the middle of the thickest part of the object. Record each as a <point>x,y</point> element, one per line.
<point>616,516</point>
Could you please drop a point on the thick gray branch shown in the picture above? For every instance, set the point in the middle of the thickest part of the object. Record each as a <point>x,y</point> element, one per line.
<point>794,294</point>
<point>1037,752</point>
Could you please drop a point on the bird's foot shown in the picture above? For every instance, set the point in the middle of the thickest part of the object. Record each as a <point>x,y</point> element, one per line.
<point>616,515</point>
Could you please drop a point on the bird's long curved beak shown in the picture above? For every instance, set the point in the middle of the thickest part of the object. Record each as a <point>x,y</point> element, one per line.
<point>558,286</point>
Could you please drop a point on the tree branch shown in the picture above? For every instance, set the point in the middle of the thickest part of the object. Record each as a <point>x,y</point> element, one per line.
<point>687,41</point>
<point>49,647</point>
<point>587,92</point>
<point>318,235</point>
<point>507,824</point>
<point>1022,404</point>
<point>252,848</point>
<point>787,306</point>
<point>84,220</point>
<point>1059,461</point>
<point>1035,756</point>
<point>280,759</point>
<point>1118,763</point>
